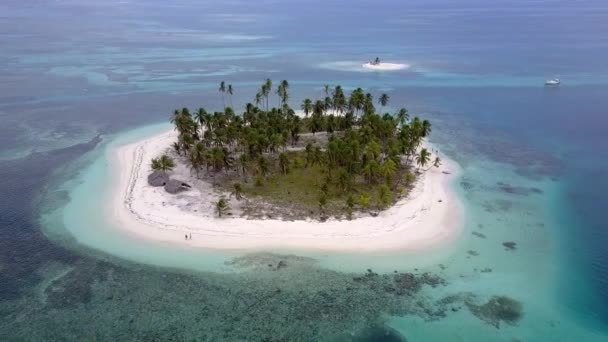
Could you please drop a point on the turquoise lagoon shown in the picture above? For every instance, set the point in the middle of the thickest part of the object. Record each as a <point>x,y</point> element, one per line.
<point>501,206</point>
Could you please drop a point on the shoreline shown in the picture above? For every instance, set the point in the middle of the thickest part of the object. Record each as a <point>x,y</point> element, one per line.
<point>417,222</point>
<point>385,66</point>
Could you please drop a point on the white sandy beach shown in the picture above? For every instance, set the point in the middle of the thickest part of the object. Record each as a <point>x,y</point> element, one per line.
<point>429,217</point>
<point>385,66</point>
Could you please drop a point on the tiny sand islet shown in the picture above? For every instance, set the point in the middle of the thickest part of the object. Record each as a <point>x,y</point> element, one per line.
<point>385,66</point>
<point>379,65</point>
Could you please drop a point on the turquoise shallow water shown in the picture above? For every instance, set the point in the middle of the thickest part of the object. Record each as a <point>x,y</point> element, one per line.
<point>533,159</point>
<point>500,205</point>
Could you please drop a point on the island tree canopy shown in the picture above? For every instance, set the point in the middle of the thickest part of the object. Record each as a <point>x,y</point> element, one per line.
<point>364,154</point>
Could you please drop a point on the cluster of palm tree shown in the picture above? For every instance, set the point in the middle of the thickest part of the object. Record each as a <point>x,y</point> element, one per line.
<point>363,146</point>
<point>224,141</point>
<point>226,89</point>
<point>378,150</point>
<point>264,93</point>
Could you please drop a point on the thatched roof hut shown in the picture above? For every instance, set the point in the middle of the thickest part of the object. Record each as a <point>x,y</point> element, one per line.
<point>174,186</point>
<point>158,178</point>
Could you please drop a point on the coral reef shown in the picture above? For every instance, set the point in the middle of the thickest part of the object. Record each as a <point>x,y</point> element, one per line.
<point>497,309</point>
<point>509,245</point>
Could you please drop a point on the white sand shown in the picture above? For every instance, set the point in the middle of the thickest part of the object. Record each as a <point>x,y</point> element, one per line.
<point>417,222</point>
<point>385,66</point>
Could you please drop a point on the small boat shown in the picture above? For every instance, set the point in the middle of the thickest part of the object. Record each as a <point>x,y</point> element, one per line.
<point>552,82</point>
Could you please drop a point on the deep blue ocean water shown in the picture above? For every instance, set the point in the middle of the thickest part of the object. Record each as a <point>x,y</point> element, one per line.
<point>77,74</point>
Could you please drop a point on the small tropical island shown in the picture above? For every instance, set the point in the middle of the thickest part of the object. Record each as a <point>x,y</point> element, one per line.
<point>378,65</point>
<point>334,174</point>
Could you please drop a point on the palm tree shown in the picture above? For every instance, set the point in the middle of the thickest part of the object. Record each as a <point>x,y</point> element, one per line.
<point>308,153</point>
<point>327,103</point>
<point>356,100</point>
<point>316,122</point>
<point>372,150</point>
<point>326,88</point>
<point>426,128</point>
<point>237,191</point>
<point>221,207</point>
<point>350,202</point>
<point>370,170</point>
<point>384,196</point>
<point>282,91</point>
<point>230,91</point>
<point>183,122</point>
<point>364,200</point>
<point>295,127</point>
<point>266,88</point>
<point>317,155</point>
<point>322,201</point>
<point>402,116</point>
<point>331,123</point>
<point>389,169</point>
<point>163,164</point>
<point>194,163</point>
<point>284,163</point>
<point>368,104</point>
<point>339,101</point>
<point>202,117</point>
<point>409,178</point>
<point>185,140</point>
<point>307,106</point>
<point>344,180</point>
<point>263,166</point>
<point>222,90</point>
<point>177,147</point>
<point>197,156</point>
<point>383,100</point>
<point>258,98</point>
<point>318,108</point>
<point>423,157</point>
<point>217,158</point>
<point>244,163</point>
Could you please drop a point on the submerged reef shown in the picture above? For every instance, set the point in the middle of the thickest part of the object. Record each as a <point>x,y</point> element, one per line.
<point>497,309</point>
<point>379,334</point>
<point>497,205</point>
<point>466,185</point>
<point>264,297</point>
<point>479,235</point>
<point>510,245</point>
<point>518,190</point>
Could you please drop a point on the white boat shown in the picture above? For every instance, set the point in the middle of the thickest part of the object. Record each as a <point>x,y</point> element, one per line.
<point>552,82</point>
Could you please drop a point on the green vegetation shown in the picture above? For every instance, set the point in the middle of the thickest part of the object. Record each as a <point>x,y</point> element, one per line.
<point>237,191</point>
<point>362,160</point>
<point>221,207</point>
<point>164,163</point>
